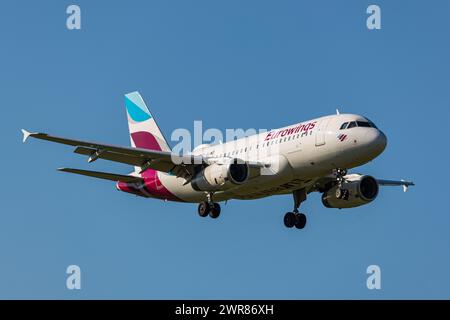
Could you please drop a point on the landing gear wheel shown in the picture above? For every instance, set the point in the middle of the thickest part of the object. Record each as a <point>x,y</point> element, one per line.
<point>215,211</point>
<point>289,219</point>
<point>300,220</point>
<point>203,209</point>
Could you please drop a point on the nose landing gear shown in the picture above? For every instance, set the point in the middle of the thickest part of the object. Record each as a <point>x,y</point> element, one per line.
<point>340,192</point>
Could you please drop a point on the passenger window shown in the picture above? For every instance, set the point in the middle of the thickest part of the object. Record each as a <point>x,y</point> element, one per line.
<point>351,125</point>
<point>344,125</point>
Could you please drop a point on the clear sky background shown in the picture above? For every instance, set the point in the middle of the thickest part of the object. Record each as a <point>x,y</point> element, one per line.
<point>231,64</point>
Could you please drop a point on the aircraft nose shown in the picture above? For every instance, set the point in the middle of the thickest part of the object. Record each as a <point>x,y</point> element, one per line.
<point>381,140</point>
<point>376,140</point>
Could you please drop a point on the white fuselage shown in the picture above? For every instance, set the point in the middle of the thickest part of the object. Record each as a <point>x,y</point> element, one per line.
<point>296,156</point>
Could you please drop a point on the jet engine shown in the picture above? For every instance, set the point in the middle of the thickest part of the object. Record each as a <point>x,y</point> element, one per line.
<point>355,191</point>
<point>220,176</point>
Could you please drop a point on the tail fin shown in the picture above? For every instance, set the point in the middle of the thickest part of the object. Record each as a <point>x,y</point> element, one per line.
<point>144,131</point>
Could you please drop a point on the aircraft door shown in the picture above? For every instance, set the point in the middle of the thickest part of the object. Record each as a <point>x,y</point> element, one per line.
<point>320,133</point>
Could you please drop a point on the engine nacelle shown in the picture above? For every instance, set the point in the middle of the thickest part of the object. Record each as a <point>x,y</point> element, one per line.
<point>355,191</point>
<point>220,176</point>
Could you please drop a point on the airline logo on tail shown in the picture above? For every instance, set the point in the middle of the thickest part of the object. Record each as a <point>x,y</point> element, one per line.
<point>136,108</point>
<point>144,131</point>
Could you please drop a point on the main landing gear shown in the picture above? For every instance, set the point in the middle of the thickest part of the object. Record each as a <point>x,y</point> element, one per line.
<point>209,208</point>
<point>340,192</point>
<point>296,218</point>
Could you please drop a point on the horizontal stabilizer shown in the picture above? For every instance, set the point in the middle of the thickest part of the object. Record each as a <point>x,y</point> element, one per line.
<point>103,175</point>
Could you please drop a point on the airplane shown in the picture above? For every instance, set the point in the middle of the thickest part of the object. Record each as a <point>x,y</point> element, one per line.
<point>310,156</point>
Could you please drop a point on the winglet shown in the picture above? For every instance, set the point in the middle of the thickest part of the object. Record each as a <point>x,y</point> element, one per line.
<point>406,185</point>
<point>26,134</point>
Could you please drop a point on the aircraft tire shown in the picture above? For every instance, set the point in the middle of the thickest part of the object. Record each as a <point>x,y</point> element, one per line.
<point>203,209</point>
<point>300,220</point>
<point>289,219</point>
<point>215,211</point>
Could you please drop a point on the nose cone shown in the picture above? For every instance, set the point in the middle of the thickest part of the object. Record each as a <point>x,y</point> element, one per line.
<point>376,142</point>
<point>381,141</point>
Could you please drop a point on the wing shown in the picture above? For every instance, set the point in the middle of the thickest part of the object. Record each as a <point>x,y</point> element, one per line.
<point>181,166</point>
<point>324,183</point>
<point>403,183</point>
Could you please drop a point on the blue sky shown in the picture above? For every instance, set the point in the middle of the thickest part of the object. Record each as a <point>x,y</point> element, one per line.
<point>231,64</point>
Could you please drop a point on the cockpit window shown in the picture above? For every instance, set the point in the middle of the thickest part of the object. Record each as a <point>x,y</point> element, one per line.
<point>372,124</point>
<point>354,124</point>
<point>351,125</point>
<point>363,124</point>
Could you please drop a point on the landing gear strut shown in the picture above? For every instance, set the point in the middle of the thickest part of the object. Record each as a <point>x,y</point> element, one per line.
<point>340,173</point>
<point>340,192</point>
<point>296,218</point>
<point>209,208</point>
